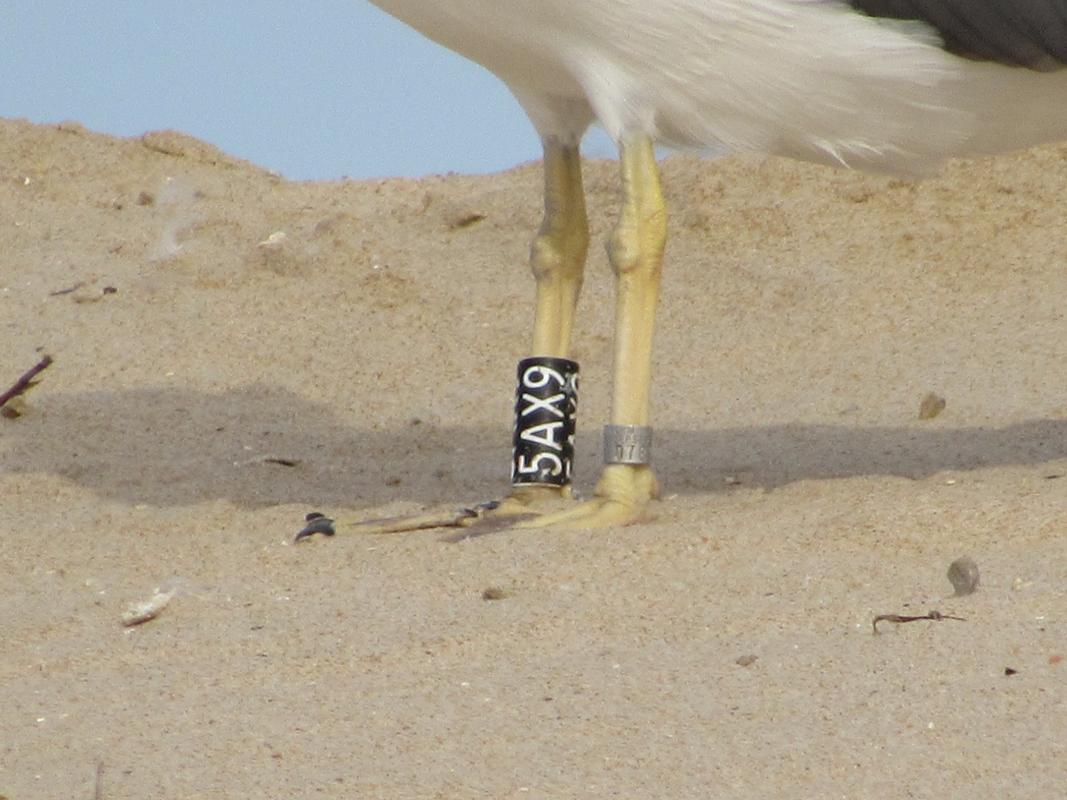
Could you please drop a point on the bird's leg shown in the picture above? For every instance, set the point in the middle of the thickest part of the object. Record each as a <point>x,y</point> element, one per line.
<point>636,254</point>
<point>557,258</point>
<point>557,255</point>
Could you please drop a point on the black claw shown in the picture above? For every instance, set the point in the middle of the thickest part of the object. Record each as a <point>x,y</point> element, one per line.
<point>480,509</point>
<point>316,523</point>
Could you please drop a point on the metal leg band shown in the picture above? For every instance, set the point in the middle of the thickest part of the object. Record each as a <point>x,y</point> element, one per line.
<point>546,407</point>
<point>627,444</point>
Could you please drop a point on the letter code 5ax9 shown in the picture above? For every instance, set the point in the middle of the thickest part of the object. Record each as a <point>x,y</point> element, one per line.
<point>546,407</point>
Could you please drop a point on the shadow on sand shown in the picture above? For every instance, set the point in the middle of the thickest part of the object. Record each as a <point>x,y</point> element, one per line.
<point>177,447</point>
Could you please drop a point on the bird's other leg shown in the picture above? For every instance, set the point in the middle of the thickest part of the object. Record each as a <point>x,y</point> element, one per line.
<point>635,251</point>
<point>557,255</point>
<point>557,259</point>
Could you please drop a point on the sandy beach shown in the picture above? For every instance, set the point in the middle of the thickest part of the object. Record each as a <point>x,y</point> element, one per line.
<point>233,350</point>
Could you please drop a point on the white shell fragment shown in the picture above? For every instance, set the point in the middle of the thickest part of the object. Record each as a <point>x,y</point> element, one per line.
<point>276,239</point>
<point>148,609</point>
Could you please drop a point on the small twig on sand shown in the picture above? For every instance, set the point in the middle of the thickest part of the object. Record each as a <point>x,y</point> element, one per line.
<point>26,381</point>
<point>937,616</point>
<point>98,790</point>
<point>68,290</point>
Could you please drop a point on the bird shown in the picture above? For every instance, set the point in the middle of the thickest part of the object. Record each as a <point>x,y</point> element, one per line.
<point>892,86</point>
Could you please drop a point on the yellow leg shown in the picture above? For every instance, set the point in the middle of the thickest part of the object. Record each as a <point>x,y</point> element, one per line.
<point>557,256</point>
<point>557,259</point>
<point>636,254</point>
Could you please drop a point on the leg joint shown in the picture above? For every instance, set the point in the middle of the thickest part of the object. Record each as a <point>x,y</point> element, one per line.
<point>557,252</point>
<point>638,241</point>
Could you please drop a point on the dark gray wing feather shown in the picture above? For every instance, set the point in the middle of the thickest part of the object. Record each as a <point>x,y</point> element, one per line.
<point>1024,33</point>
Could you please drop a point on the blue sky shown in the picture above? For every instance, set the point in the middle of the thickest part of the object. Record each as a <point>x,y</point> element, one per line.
<point>315,90</point>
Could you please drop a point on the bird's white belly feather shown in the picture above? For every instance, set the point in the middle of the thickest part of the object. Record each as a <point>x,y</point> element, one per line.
<point>812,79</point>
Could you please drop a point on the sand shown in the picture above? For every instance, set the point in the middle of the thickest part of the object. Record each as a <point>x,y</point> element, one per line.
<point>233,350</point>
